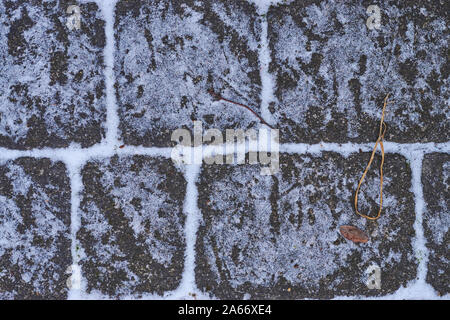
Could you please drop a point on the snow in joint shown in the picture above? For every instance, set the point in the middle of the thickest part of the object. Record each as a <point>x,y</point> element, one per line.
<point>188,288</point>
<point>267,82</point>
<point>112,118</point>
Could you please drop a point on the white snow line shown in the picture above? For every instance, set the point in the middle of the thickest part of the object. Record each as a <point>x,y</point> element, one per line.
<point>267,83</point>
<point>349,147</point>
<point>419,241</point>
<point>74,165</point>
<point>102,150</point>
<point>112,118</point>
<point>146,151</point>
<point>96,151</point>
<point>193,217</point>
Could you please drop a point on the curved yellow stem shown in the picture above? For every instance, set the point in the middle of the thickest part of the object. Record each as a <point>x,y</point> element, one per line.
<point>380,142</point>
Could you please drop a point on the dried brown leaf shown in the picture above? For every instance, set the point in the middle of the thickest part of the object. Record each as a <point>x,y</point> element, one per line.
<point>353,234</point>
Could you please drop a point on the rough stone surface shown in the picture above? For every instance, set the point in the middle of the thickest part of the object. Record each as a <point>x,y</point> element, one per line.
<point>436,190</point>
<point>170,53</point>
<point>34,229</point>
<point>332,73</point>
<point>277,237</point>
<point>270,237</point>
<point>132,223</point>
<point>52,84</point>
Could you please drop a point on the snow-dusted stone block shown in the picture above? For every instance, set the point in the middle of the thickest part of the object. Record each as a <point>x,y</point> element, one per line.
<point>34,229</point>
<point>52,84</point>
<point>277,237</point>
<point>436,219</point>
<point>171,53</point>
<point>132,226</point>
<point>332,72</point>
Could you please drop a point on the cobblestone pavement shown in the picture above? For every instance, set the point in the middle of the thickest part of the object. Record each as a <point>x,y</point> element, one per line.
<point>92,205</point>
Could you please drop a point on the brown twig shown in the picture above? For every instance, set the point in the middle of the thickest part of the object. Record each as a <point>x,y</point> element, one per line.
<point>219,97</point>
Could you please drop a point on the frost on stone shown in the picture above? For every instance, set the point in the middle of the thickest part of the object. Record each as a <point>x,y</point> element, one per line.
<point>132,226</point>
<point>332,72</point>
<point>436,219</point>
<point>34,229</point>
<point>170,53</point>
<point>51,84</point>
<point>264,234</point>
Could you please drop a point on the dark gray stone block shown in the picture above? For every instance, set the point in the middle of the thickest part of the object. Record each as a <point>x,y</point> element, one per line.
<point>332,73</point>
<point>52,90</point>
<point>34,229</point>
<point>277,237</point>
<point>170,53</point>
<point>132,226</point>
<point>436,219</point>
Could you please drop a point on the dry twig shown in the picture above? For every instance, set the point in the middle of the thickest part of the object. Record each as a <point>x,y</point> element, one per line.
<point>380,142</point>
<point>219,97</point>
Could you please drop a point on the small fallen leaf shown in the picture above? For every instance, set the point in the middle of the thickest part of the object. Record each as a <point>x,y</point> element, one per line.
<point>353,234</point>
